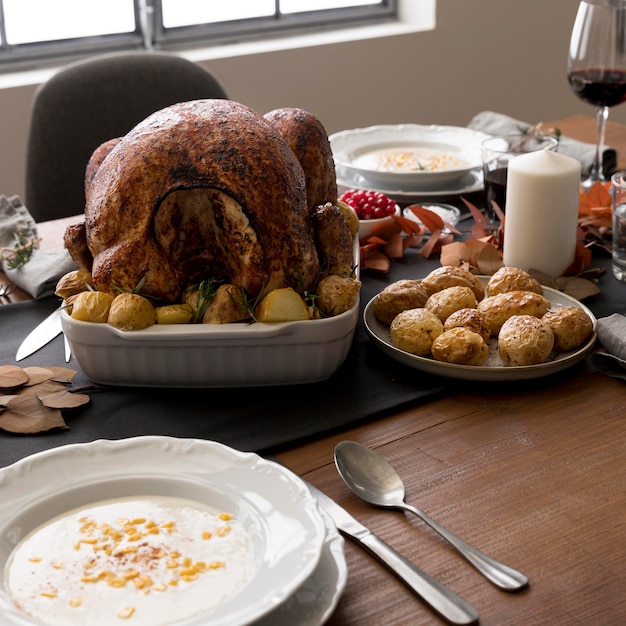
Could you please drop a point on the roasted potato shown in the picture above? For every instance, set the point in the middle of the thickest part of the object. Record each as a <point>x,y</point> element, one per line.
<point>130,311</point>
<point>571,326</point>
<point>399,296</point>
<point>525,340</point>
<point>468,318</point>
<point>226,306</point>
<point>460,345</point>
<point>445,302</point>
<point>350,216</point>
<point>282,305</point>
<point>414,331</point>
<point>512,279</point>
<point>444,277</point>
<point>337,294</point>
<point>72,283</point>
<point>499,308</point>
<point>92,306</point>
<point>174,314</point>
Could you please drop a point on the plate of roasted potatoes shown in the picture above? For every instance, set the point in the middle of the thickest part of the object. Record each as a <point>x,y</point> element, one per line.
<point>486,328</point>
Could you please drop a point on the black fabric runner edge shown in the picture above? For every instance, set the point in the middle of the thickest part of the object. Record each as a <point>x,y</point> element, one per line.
<point>259,419</point>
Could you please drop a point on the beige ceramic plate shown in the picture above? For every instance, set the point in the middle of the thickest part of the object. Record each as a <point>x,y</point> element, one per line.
<point>379,333</point>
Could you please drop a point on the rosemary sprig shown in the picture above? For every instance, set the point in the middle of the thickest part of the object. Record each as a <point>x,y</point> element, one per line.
<point>206,291</point>
<point>24,243</point>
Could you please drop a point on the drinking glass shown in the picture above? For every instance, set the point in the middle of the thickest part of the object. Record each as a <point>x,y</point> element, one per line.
<point>618,189</point>
<point>596,64</point>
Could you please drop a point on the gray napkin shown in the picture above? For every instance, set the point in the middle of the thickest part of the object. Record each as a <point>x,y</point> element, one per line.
<point>499,124</point>
<point>612,335</point>
<point>39,276</point>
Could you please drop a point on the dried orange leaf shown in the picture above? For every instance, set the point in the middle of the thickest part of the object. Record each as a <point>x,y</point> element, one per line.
<point>430,246</point>
<point>408,226</point>
<point>453,254</point>
<point>37,375</point>
<point>48,386</point>
<point>5,399</point>
<point>377,262</point>
<point>12,376</point>
<point>489,260</point>
<point>413,241</point>
<point>479,219</point>
<point>386,229</point>
<point>394,248</point>
<point>27,415</point>
<point>64,399</point>
<point>430,219</point>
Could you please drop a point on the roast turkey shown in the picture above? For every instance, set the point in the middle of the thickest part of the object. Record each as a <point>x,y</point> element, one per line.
<point>202,189</point>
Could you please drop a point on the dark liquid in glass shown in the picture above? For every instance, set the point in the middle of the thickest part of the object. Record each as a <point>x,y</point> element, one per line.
<point>495,189</point>
<point>599,87</point>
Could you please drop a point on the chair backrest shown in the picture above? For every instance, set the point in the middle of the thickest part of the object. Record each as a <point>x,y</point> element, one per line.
<point>90,102</point>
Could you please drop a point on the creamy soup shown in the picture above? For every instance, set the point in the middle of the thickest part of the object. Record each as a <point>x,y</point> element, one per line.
<point>142,561</point>
<point>406,160</point>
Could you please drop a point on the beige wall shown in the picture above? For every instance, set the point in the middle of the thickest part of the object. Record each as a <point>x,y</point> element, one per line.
<point>502,55</point>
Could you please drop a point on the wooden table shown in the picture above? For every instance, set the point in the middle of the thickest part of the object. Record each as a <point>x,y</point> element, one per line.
<point>534,474</point>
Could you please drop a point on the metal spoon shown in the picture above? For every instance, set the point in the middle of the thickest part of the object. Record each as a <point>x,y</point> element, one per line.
<point>376,482</point>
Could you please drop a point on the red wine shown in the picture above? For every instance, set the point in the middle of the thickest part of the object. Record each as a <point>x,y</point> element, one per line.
<point>495,189</point>
<point>599,87</point>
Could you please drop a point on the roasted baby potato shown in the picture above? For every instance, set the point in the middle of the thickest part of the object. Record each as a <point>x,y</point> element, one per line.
<point>399,296</point>
<point>226,306</point>
<point>337,294</point>
<point>445,302</point>
<point>130,311</point>
<point>446,276</point>
<point>571,326</point>
<point>414,331</point>
<point>174,314</point>
<point>512,279</point>
<point>72,283</point>
<point>350,216</point>
<point>497,309</point>
<point>468,318</point>
<point>460,345</point>
<point>92,306</point>
<point>525,340</point>
<point>282,305</point>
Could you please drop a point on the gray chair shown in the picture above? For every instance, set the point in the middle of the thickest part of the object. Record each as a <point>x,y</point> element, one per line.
<point>90,102</point>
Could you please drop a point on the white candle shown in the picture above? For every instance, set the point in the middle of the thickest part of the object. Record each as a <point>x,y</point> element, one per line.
<point>541,212</point>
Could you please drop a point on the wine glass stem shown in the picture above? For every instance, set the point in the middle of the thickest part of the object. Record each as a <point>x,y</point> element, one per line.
<point>596,169</point>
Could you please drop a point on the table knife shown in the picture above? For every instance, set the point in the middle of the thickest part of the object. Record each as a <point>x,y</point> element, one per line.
<point>41,335</point>
<point>442,600</point>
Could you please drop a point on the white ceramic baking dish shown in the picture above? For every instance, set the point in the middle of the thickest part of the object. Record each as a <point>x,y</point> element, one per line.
<point>213,355</point>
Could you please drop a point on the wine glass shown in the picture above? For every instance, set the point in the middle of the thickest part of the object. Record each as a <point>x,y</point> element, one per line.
<point>596,65</point>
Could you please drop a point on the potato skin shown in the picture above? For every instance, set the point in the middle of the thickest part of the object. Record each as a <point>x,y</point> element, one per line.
<point>525,340</point>
<point>472,319</point>
<point>512,279</point>
<point>460,345</point>
<point>571,326</point>
<point>337,294</point>
<point>414,331</point>
<point>446,276</point>
<point>225,307</point>
<point>130,311</point>
<point>445,302</point>
<point>397,297</point>
<point>499,308</point>
<point>91,306</point>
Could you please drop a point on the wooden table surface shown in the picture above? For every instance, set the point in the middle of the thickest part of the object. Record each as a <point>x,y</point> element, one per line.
<point>533,474</point>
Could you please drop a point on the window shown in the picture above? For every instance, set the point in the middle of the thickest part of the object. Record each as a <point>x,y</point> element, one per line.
<point>36,31</point>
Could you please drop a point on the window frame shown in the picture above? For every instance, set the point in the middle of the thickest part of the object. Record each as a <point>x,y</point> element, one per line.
<point>150,33</point>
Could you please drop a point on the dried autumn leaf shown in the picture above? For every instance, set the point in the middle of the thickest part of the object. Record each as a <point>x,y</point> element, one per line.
<point>430,219</point>
<point>489,260</point>
<point>413,241</point>
<point>37,375</point>
<point>62,374</point>
<point>25,414</point>
<point>579,288</point>
<point>394,248</point>
<point>48,386</point>
<point>453,254</point>
<point>12,376</point>
<point>64,399</point>
<point>376,262</point>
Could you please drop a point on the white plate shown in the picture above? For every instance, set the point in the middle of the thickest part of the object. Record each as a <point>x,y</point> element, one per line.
<point>381,336</point>
<point>470,183</point>
<point>316,600</point>
<point>280,515</point>
<point>358,150</point>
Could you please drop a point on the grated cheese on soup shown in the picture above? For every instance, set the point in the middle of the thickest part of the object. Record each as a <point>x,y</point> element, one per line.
<point>403,161</point>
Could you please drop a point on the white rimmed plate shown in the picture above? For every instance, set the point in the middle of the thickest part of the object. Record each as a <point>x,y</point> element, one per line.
<point>372,153</point>
<point>280,516</point>
<point>381,336</point>
<point>470,183</point>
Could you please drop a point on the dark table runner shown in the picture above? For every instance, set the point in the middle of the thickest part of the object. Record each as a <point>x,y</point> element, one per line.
<point>259,419</point>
